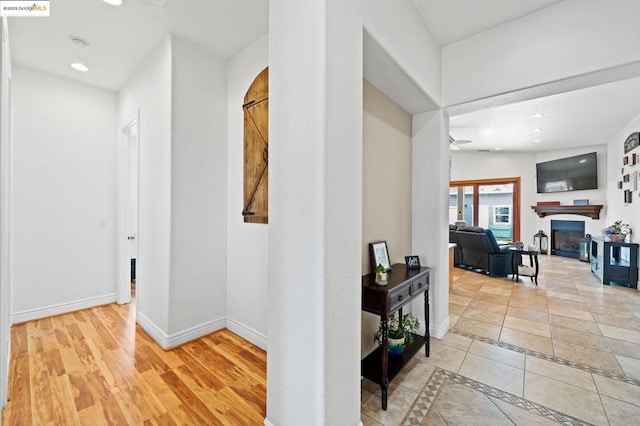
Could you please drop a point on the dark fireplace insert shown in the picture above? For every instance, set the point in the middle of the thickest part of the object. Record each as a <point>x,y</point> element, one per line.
<point>565,237</point>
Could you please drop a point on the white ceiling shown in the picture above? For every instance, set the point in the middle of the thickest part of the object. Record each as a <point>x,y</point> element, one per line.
<point>585,117</point>
<point>454,20</point>
<point>121,37</point>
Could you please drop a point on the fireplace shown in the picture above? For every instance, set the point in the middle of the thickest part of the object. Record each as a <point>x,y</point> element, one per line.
<point>565,237</point>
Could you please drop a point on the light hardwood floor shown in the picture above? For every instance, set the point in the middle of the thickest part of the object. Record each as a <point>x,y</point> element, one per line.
<point>97,366</point>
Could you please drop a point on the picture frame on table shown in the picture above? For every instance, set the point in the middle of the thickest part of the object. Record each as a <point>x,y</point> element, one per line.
<point>412,262</point>
<point>625,160</point>
<point>379,253</point>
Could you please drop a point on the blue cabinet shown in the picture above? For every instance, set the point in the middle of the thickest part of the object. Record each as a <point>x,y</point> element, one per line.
<point>615,262</point>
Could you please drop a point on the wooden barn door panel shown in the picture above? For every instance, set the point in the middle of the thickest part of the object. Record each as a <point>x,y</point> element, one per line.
<point>256,150</point>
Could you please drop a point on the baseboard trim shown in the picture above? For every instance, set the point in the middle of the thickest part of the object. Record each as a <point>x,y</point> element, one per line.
<point>169,341</point>
<point>268,423</point>
<point>62,308</point>
<point>247,333</point>
<point>439,331</point>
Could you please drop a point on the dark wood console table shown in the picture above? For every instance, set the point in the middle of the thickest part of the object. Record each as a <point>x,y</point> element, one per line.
<point>403,286</point>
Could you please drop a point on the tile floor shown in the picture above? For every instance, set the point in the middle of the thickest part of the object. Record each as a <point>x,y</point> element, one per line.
<point>566,351</point>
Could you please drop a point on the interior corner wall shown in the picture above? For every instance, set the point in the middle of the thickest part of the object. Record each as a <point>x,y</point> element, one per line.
<point>248,249</point>
<point>63,188</point>
<point>386,187</point>
<point>533,50</point>
<point>616,209</point>
<point>197,293</point>
<point>400,30</point>
<point>149,91</point>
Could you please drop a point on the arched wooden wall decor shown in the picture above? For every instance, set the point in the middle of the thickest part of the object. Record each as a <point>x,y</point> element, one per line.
<point>256,150</point>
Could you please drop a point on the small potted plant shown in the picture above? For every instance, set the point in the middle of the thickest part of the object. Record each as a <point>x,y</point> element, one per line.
<point>381,275</point>
<point>399,333</point>
<point>618,232</point>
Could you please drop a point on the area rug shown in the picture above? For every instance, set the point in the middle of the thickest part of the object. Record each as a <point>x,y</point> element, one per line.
<point>448,398</point>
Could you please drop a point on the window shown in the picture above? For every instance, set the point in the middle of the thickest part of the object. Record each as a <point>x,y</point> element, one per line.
<point>502,215</point>
<point>488,203</point>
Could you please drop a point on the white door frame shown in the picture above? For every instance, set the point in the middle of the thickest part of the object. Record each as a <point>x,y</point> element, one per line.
<point>123,259</point>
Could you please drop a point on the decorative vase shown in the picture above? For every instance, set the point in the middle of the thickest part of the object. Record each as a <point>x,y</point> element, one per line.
<point>615,238</point>
<point>381,278</point>
<point>396,347</point>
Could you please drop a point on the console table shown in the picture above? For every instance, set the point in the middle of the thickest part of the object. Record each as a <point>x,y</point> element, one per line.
<point>403,286</point>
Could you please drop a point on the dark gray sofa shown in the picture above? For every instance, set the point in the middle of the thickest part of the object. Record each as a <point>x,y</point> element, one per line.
<point>480,251</point>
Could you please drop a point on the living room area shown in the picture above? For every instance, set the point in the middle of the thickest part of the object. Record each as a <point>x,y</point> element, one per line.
<point>564,349</point>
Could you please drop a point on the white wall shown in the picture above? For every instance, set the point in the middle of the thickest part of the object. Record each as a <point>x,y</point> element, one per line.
<point>386,187</point>
<point>5,164</point>
<point>616,208</point>
<point>149,91</point>
<point>197,296</point>
<point>315,196</point>
<point>468,165</point>
<point>315,212</point>
<point>430,198</point>
<point>535,49</point>
<point>400,30</point>
<point>247,283</point>
<point>63,186</point>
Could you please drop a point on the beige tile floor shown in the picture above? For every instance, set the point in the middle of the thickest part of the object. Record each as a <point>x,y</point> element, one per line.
<point>569,344</point>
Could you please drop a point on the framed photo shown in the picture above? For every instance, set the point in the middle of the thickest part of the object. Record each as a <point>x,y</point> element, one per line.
<point>412,262</point>
<point>625,178</point>
<point>634,159</point>
<point>379,255</point>
<point>622,171</point>
<point>627,196</point>
<point>619,184</point>
<point>625,160</point>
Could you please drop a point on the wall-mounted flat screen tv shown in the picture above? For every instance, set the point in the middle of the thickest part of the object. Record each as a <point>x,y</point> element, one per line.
<point>568,174</point>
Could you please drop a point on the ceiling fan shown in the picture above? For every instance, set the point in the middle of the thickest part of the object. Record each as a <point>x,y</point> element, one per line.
<point>454,145</point>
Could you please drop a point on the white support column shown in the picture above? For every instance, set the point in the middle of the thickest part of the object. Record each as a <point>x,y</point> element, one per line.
<point>315,217</point>
<point>430,200</point>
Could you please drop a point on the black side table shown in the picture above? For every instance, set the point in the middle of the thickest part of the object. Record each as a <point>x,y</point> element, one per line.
<point>533,263</point>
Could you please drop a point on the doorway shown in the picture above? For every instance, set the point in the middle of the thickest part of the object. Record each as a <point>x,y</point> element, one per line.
<point>128,196</point>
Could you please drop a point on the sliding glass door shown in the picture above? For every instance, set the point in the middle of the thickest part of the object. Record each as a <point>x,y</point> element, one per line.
<point>489,203</point>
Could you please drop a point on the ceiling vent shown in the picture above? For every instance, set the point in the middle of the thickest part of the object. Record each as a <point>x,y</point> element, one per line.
<point>79,42</point>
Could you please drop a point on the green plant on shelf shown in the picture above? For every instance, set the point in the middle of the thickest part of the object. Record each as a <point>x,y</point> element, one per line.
<point>399,329</point>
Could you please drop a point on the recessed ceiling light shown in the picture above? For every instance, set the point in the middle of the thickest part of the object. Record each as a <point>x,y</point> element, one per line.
<point>113,2</point>
<point>79,66</point>
<point>538,115</point>
<point>537,129</point>
<point>497,148</point>
<point>536,140</point>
